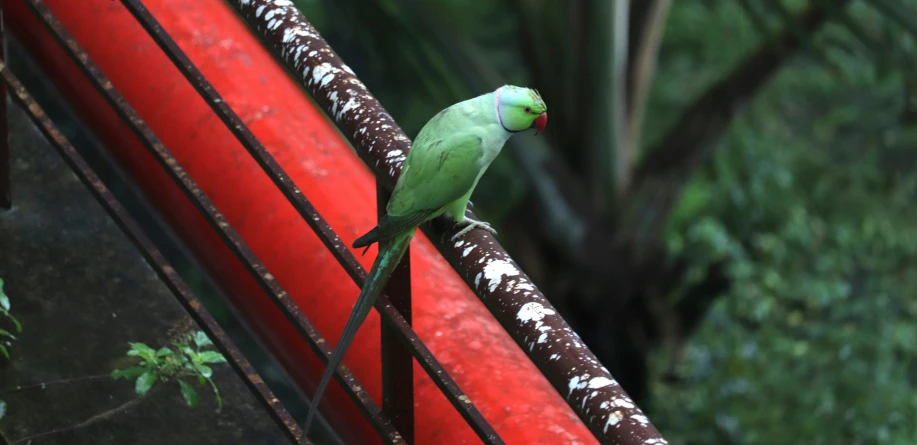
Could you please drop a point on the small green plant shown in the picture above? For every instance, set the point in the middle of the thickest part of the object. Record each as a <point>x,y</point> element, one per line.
<point>6,337</point>
<point>185,360</point>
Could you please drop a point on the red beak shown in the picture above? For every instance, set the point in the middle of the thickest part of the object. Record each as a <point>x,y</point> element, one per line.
<point>540,123</point>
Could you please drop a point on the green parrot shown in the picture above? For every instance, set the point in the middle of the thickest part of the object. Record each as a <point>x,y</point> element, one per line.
<point>449,156</point>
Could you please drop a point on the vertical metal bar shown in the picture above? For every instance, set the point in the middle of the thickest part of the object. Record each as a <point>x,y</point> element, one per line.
<point>152,255</point>
<point>397,363</point>
<point>6,181</point>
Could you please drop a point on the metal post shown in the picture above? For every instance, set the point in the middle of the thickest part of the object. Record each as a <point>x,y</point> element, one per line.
<point>397,363</point>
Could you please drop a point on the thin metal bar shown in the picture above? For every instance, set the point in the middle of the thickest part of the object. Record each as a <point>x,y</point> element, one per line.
<point>6,180</point>
<point>152,255</point>
<point>397,364</point>
<point>228,234</point>
<point>505,290</point>
<point>307,211</point>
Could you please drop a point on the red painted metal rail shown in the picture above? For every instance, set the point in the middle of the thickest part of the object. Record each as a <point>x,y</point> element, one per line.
<point>507,292</point>
<point>263,230</point>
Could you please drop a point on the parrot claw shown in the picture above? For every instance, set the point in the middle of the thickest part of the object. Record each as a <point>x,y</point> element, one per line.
<point>470,225</point>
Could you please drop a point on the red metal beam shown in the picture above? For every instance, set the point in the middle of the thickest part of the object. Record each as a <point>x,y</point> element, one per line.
<point>517,400</point>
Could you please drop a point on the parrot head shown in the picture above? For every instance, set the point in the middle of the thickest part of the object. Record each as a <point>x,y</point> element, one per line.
<point>520,108</point>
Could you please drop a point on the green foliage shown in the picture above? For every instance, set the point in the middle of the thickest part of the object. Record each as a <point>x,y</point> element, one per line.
<point>183,360</point>
<point>810,201</point>
<point>6,337</point>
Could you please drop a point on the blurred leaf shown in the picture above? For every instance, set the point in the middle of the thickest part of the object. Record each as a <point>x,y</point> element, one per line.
<point>129,373</point>
<point>188,393</point>
<point>4,299</point>
<point>201,339</point>
<point>163,352</point>
<point>141,349</point>
<point>145,382</point>
<point>204,370</point>
<point>211,357</point>
<point>895,12</point>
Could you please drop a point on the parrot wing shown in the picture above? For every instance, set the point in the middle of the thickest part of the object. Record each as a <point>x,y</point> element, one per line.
<point>436,172</point>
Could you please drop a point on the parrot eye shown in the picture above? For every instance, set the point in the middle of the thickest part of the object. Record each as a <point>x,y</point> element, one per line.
<point>527,109</point>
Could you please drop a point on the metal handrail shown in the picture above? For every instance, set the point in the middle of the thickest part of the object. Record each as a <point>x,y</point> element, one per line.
<point>489,271</point>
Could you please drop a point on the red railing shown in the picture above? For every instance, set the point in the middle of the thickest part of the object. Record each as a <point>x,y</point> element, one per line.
<point>504,289</point>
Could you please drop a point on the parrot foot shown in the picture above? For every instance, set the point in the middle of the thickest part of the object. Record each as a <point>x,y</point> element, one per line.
<point>470,225</point>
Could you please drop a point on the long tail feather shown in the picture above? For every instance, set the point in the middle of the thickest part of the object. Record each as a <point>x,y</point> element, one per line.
<point>390,254</point>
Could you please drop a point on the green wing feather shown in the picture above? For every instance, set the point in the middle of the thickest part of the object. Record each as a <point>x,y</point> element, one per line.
<point>439,173</point>
<point>441,167</point>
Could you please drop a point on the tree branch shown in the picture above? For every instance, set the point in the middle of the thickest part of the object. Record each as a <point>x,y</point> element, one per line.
<point>624,151</point>
<point>98,417</point>
<point>642,69</point>
<point>659,179</point>
<point>44,385</point>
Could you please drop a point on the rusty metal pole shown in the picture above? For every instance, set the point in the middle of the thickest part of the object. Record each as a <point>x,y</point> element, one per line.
<point>508,293</point>
<point>397,363</point>
<point>6,181</point>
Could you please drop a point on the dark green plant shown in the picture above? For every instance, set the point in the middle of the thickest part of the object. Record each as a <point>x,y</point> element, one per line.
<point>6,337</point>
<point>184,360</point>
